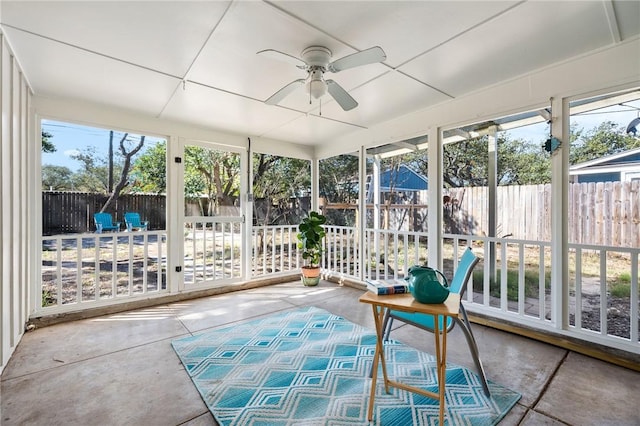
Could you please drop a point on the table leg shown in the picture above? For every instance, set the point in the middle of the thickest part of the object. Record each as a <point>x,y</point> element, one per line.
<point>378,316</point>
<point>441,363</point>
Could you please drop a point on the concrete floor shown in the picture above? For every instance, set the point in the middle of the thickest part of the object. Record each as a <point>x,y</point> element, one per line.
<point>121,370</point>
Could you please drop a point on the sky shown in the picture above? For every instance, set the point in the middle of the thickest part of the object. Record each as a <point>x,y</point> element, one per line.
<point>620,114</point>
<point>69,138</point>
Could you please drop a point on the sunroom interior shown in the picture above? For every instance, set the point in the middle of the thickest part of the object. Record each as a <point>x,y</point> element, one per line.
<point>190,73</point>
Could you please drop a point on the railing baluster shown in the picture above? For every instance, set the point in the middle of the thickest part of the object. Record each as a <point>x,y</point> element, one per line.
<point>633,317</point>
<point>603,292</point>
<point>578,290</point>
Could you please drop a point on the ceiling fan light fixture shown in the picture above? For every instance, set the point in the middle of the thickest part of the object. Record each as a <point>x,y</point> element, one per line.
<point>317,88</point>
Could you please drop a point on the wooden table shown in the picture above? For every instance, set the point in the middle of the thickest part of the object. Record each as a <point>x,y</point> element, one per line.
<point>406,303</point>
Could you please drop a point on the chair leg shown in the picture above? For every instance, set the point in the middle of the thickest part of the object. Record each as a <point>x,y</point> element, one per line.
<point>386,330</point>
<point>473,348</point>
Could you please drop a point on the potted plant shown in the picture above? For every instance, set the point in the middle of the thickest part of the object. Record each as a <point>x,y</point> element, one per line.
<point>310,239</point>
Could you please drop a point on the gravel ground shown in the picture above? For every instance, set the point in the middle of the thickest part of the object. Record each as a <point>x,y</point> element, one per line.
<point>618,315</point>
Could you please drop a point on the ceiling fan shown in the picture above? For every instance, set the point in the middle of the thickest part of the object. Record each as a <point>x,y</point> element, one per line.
<point>316,61</point>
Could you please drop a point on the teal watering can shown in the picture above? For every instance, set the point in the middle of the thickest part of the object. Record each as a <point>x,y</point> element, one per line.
<point>427,285</point>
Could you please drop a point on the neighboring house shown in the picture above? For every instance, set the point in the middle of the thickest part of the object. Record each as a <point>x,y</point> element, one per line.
<point>623,166</point>
<point>403,181</point>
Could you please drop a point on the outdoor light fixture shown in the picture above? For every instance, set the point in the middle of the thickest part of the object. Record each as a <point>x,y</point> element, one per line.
<point>633,126</point>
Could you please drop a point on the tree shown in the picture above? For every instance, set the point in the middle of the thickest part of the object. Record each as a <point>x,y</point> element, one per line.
<point>127,154</point>
<point>519,162</point>
<point>277,180</point>
<point>57,178</point>
<point>213,173</point>
<point>93,173</point>
<point>149,172</point>
<point>47,145</point>
<point>606,139</point>
<point>339,179</point>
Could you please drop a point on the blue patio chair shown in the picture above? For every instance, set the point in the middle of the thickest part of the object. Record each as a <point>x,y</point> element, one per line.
<point>468,261</point>
<point>133,222</point>
<point>105,223</point>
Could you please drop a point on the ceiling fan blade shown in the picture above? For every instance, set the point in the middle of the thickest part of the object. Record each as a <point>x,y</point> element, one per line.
<point>284,92</point>
<point>368,56</point>
<point>276,54</point>
<point>341,96</point>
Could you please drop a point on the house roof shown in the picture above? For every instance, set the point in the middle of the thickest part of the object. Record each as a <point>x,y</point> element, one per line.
<point>620,159</point>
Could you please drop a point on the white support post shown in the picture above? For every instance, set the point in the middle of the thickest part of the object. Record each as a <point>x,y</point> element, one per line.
<point>375,181</point>
<point>559,208</point>
<point>246,166</point>
<point>315,184</point>
<point>435,182</point>
<point>175,215</point>
<point>361,226</point>
<point>492,183</point>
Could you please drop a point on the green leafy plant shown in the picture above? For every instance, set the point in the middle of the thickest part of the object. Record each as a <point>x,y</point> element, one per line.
<point>310,238</point>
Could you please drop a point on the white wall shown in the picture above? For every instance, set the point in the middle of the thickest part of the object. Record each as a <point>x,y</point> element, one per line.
<point>15,100</point>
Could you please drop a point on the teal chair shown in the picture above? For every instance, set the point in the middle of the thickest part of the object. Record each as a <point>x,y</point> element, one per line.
<point>133,222</point>
<point>104,222</point>
<point>467,262</point>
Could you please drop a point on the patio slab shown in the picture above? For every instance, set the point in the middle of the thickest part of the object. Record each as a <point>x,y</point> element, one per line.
<point>586,391</point>
<point>121,369</point>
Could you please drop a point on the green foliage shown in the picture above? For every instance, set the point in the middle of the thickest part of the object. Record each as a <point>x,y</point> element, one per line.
<point>465,163</point>
<point>279,178</point>
<point>621,287</point>
<point>310,237</point>
<point>57,178</point>
<point>339,179</point>
<point>606,139</point>
<point>519,162</point>
<point>93,175</point>
<point>47,145</point>
<point>531,283</point>
<point>213,173</point>
<point>149,172</point>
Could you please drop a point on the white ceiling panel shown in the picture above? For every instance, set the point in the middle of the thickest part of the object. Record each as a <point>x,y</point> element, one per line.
<point>403,29</point>
<point>537,37</point>
<point>162,35</point>
<point>135,54</point>
<point>311,129</point>
<point>230,59</point>
<point>391,94</point>
<point>59,70</point>
<point>198,104</point>
<point>626,18</point>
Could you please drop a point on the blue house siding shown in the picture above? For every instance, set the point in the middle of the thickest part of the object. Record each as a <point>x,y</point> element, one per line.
<point>598,177</point>
<point>402,179</point>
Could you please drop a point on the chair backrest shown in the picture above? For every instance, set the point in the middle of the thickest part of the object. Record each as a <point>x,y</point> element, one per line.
<point>467,262</point>
<point>103,219</point>
<point>133,219</point>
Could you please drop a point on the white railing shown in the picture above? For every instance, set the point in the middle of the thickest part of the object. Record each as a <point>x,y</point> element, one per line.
<point>603,280</point>
<point>212,250</point>
<point>85,270</point>
<point>99,269</point>
<point>275,250</point>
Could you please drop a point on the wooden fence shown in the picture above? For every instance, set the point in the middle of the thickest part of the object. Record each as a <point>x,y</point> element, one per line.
<point>603,213</point>
<point>72,212</point>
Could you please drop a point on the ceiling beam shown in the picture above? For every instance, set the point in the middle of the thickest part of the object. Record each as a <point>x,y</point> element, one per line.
<point>613,22</point>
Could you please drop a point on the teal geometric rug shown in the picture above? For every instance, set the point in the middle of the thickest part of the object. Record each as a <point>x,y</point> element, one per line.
<point>310,367</point>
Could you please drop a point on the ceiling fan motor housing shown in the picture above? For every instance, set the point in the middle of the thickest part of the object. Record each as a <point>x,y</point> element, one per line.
<point>316,56</point>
